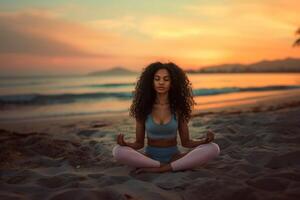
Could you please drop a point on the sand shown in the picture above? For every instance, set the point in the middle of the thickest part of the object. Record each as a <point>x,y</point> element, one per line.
<point>71,158</point>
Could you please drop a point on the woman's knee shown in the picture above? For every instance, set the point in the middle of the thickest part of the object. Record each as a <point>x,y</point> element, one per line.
<point>120,151</point>
<point>211,145</point>
<point>215,148</point>
<point>115,150</point>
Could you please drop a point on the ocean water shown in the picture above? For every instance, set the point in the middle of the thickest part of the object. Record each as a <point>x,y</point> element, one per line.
<point>27,98</point>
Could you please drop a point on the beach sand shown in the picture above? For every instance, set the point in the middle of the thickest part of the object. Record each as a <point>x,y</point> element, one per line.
<point>71,158</point>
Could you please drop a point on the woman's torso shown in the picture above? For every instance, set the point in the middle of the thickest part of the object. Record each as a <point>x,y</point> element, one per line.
<point>161,128</point>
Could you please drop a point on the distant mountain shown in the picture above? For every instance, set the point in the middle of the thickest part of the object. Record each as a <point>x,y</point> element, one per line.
<point>285,65</point>
<point>114,71</point>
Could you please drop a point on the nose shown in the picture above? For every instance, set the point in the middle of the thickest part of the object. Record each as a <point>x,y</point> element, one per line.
<point>161,82</point>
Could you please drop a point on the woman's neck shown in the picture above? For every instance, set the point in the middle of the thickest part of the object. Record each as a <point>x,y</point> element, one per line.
<point>162,99</point>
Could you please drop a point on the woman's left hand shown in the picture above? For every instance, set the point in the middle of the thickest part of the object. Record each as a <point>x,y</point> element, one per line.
<point>210,136</point>
<point>120,140</point>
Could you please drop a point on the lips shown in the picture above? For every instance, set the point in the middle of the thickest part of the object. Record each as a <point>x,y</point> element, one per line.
<point>161,88</point>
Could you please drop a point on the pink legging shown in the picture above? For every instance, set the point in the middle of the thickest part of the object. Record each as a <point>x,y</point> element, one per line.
<point>196,157</point>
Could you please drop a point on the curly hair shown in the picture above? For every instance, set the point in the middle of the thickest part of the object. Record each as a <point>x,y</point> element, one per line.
<point>180,93</point>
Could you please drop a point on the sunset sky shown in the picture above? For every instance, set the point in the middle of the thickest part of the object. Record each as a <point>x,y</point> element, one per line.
<point>83,36</point>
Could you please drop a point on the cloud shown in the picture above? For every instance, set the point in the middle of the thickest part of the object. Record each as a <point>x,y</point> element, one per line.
<point>44,34</point>
<point>123,23</point>
<point>250,17</point>
<point>207,33</point>
<point>164,27</point>
<point>16,42</point>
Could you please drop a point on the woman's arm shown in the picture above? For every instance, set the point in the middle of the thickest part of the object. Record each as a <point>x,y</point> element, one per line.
<point>140,137</point>
<point>185,136</point>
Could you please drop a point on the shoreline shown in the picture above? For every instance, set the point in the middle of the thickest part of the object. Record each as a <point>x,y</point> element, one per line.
<point>251,102</point>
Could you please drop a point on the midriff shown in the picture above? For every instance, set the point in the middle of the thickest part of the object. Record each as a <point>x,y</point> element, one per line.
<point>162,142</point>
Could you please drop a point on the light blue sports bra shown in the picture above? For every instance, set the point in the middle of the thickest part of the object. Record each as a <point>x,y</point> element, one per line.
<point>158,131</point>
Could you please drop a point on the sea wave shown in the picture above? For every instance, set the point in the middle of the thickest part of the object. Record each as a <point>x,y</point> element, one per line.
<point>110,85</point>
<point>43,99</point>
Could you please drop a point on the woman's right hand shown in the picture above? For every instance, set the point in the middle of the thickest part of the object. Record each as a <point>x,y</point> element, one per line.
<point>120,140</point>
<point>210,136</point>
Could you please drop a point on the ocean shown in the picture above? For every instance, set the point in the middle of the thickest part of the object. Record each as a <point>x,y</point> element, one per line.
<point>28,98</point>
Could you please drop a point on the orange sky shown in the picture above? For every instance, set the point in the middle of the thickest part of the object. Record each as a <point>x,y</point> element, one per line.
<point>60,37</point>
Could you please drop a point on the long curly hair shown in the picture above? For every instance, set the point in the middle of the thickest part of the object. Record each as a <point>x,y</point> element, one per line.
<point>180,93</point>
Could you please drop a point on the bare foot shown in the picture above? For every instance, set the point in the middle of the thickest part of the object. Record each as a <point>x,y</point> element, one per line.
<point>161,169</point>
<point>129,197</point>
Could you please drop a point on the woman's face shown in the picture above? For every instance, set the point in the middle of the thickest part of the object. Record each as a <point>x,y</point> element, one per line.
<point>162,81</point>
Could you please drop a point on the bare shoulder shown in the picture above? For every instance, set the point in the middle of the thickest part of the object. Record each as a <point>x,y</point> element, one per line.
<point>182,122</point>
<point>139,122</point>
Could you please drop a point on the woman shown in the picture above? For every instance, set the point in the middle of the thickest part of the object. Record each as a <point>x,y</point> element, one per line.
<point>162,107</point>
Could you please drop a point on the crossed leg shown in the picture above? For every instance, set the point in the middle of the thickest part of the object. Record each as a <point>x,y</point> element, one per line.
<point>193,158</point>
<point>128,156</point>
